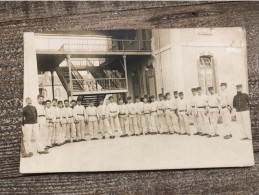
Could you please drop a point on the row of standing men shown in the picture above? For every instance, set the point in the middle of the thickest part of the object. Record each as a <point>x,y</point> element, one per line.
<point>59,124</point>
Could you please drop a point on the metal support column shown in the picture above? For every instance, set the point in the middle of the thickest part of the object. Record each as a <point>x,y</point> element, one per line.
<point>70,76</point>
<point>52,84</point>
<point>126,73</point>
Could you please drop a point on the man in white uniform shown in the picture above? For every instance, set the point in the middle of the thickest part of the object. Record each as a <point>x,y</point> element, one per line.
<point>202,112</point>
<point>241,104</point>
<point>132,111</point>
<point>161,121</point>
<point>123,118</point>
<point>55,139</point>
<point>70,128</point>
<point>153,117</point>
<point>140,116</point>
<point>104,124</point>
<point>79,111</point>
<point>63,122</point>
<point>113,111</point>
<point>50,117</point>
<point>225,107</point>
<point>213,107</point>
<point>42,121</point>
<point>193,114</point>
<point>183,111</point>
<point>92,118</point>
<point>147,115</point>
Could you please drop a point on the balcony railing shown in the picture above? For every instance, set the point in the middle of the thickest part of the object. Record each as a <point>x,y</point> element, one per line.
<point>102,84</point>
<point>109,45</point>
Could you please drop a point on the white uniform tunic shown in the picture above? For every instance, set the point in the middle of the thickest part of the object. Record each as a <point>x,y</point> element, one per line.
<point>41,119</point>
<point>140,117</point>
<point>171,117</point>
<point>92,117</point>
<point>113,111</point>
<point>153,117</point>
<point>183,111</point>
<point>147,111</point>
<point>201,107</point>
<point>162,126</point>
<point>193,112</point>
<point>80,121</point>
<point>133,122</point>
<point>213,104</point>
<point>104,124</point>
<point>123,118</point>
<point>224,101</point>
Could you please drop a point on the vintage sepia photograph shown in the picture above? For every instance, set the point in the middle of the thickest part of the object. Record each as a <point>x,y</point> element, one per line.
<point>122,100</point>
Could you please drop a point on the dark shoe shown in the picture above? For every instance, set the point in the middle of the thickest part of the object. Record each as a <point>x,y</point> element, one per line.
<point>122,136</point>
<point>67,141</point>
<point>203,134</point>
<point>209,136</point>
<point>189,134</point>
<point>83,140</point>
<point>75,140</point>
<point>103,137</point>
<point>48,147</point>
<point>155,133</point>
<point>147,133</point>
<point>197,133</point>
<point>227,137</point>
<point>141,134</point>
<point>170,133</point>
<point>112,137</point>
<point>133,134</point>
<point>26,156</point>
<point>216,135</point>
<point>158,132</point>
<point>44,152</point>
<point>137,134</point>
<point>245,138</point>
<point>126,135</point>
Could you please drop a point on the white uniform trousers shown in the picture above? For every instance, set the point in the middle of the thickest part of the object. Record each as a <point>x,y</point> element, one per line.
<point>213,117</point>
<point>93,128</point>
<point>63,132</point>
<point>43,134</point>
<point>70,131</point>
<point>226,118</point>
<point>184,122</point>
<point>133,124</point>
<point>153,118</point>
<point>169,121</point>
<point>147,123</point>
<point>80,129</point>
<point>176,125</point>
<point>104,125</point>
<point>56,133</point>
<point>115,125</point>
<point>203,121</point>
<point>162,125</point>
<point>49,131</point>
<point>194,119</point>
<point>141,123</point>
<point>243,119</point>
<point>27,130</point>
<point>124,124</point>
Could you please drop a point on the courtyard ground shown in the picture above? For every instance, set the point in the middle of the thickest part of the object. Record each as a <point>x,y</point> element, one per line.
<point>145,152</point>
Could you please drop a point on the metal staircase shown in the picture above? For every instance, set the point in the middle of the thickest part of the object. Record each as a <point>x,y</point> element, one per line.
<point>95,97</point>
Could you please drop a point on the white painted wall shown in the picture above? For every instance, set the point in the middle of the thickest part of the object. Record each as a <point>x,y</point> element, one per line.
<point>179,57</point>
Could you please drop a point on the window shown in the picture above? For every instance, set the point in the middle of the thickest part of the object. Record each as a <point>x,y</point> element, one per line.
<point>206,69</point>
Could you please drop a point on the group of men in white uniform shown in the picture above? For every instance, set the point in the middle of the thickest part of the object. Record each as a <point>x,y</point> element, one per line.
<point>59,124</point>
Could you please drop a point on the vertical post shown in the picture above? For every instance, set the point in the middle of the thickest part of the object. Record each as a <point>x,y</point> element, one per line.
<point>70,76</point>
<point>126,74</point>
<point>52,84</point>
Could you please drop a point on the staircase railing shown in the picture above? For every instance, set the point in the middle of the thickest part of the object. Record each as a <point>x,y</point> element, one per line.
<point>104,84</point>
<point>63,79</point>
<point>77,76</point>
